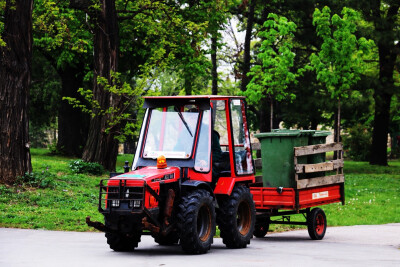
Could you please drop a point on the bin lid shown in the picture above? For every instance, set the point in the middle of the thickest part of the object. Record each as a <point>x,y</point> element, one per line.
<point>278,133</point>
<point>308,132</point>
<point>321,133</point>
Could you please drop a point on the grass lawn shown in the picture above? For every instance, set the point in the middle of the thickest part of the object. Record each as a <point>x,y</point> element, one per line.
<point>372,197</point>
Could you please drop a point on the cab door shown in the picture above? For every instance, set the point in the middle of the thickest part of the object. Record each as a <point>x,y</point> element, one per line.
<point>242,158</point>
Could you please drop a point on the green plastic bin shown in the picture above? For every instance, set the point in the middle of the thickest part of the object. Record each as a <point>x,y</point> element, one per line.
<point>277,156</point>
<point>318,137</point>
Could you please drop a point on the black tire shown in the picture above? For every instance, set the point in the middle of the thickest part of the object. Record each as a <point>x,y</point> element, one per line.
<point>261,229</point>
<point>197,221</point>
<point>236,218</point>
<point>316,224</point>
<point>167,240</point>
<point>123,242</point>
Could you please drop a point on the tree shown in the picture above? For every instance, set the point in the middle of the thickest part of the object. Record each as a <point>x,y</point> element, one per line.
<point>15,75</point>
<point>274,74</point>
<point>339,63</point>
<point>63,38</point>
<point>384,16</point>
<point>101,146</point>
<point>247,41</point>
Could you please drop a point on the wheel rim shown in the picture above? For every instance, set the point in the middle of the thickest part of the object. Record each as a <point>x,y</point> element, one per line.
<point>244,218</point>
<point>319,224</point>
<point>204,223</point>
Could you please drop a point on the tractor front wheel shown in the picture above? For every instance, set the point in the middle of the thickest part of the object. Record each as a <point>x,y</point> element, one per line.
<point>236,218</point>
<point>123,242</point>
<point>316,224</point>
<point>167,240</point>
<point>197,221</point>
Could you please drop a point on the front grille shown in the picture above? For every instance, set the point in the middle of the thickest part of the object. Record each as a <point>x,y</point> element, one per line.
<point>120,196</point>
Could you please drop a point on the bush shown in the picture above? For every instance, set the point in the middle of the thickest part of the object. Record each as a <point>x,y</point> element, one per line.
<point>80,166</point>
<point>42,179</point>
<point>358,143</point>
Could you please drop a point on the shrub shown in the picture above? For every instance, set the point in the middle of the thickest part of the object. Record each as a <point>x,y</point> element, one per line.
<point>80,166</point>
<point>358,143</point>
<point>42,179</point>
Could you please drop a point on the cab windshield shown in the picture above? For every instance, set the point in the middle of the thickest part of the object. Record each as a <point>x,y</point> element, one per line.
<point>171,132</point>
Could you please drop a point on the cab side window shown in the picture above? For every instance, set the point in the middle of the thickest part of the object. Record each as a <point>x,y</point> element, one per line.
<point>241,138</point>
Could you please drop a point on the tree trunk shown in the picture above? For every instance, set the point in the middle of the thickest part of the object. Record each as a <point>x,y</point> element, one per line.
<point>188,84</point>
<point>73,124</point>
<point>265,126</point>
<point>214,72</point>
<point>336,129</point>
<point>15,76</point>
<point>102,147</point>
<point>383,96</point>
<point>247,41</point>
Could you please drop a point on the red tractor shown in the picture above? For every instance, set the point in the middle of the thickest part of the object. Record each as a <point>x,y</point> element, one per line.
<point>193,169</point>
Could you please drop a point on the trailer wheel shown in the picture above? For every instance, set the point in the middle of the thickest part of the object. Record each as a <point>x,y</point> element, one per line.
<point>236,218</point>
<point>316,222</point>
<point>261,229</point>
<point>197,222</point>
<point>167,240</point>
<point>121,242</point>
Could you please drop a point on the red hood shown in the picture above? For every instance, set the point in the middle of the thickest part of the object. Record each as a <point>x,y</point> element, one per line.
<point>147,174</point>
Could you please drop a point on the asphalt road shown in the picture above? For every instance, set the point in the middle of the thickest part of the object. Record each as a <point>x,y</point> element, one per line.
<point>374,245</point>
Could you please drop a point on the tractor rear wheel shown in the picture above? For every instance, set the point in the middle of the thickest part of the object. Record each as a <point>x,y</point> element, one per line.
<point>123,242</point>
<point>236,218</point>
<point>197,221</point>
<point>316,224</point>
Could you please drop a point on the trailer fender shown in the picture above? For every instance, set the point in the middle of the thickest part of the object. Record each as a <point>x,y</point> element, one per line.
<point>192,184</point>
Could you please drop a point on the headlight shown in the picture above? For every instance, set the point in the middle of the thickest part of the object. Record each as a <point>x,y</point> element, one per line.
<point>127,193</point>
<point>114,203</point>
<point>168,176</point>
<point>135,203</point>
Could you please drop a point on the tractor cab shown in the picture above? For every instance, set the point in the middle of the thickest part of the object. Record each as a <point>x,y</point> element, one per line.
<point>197,134</point>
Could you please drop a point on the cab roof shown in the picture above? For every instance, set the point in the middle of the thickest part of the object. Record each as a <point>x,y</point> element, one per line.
<point>203,101</point>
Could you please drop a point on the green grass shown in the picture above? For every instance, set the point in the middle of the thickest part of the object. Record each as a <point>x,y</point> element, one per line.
<point>372,197</point>
<point>64,206</point>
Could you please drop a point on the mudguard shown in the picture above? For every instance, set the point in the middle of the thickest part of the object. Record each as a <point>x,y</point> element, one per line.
<point>197,184</point>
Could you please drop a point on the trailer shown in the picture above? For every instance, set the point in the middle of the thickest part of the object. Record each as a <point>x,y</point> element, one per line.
<point>193,170</point>
<point>297,180</point>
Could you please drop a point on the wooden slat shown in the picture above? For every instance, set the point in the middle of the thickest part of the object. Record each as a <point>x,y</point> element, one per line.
<point>301,168</point>
<point>316,149</point>
<point>320,181</point>
<point>318,167</point>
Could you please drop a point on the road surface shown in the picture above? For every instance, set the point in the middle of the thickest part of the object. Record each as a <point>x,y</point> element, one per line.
<point>374,245</point>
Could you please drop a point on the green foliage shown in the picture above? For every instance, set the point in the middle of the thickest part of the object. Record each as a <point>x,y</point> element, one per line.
<point>80,166</point>
<point>60,32</point>
<point>339,63</point>
<point>274,75</point>
<point>357,143</point>
<point>44,95</point>
<point>43,179</point>
<point>116,116</point>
